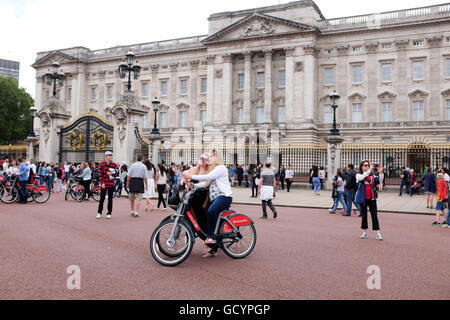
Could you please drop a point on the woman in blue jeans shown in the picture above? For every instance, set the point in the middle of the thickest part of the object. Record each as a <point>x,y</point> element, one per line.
<point>316,180</point>
<point>338,192</point>
<point>220,194</point>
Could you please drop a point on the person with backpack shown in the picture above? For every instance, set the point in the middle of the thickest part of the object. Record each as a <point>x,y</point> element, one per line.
<point>406,182</point>
<point>351,188</point>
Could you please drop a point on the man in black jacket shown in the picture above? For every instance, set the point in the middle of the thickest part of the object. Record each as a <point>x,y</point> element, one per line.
<point>351,187</point>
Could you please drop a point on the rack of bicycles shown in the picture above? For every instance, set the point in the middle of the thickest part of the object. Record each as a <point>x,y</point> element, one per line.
<point>10,190</point>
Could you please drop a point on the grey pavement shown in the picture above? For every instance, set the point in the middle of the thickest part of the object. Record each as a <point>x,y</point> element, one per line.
<point>305,198</point>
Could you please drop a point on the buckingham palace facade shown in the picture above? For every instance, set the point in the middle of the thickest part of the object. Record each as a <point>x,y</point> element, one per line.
<point>272,69</point>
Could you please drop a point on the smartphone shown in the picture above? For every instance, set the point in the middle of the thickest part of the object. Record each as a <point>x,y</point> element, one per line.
<point>376,165</point>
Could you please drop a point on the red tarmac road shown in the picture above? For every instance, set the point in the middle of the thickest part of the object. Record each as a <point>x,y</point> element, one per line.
<point>305,254</point>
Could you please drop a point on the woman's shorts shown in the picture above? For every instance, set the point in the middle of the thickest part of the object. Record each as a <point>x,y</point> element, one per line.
<point>440,206</point>
<point>429,193</point>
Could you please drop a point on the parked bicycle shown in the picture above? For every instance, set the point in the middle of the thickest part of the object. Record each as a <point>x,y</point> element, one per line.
<point>74,189</point>
<point>10,191</point>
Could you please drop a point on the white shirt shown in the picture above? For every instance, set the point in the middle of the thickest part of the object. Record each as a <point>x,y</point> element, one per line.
<point>5,166</point>
<point>12,170</point>
<point>33,168</point>
<point>322,174</point>
<point>66,168</point>
<point>447,177</point>
<point>289,174</point>
<point>220,174</point>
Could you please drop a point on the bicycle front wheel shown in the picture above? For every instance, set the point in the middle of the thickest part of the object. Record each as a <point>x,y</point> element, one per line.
<point>9,194</point>
<point>167,253</point>
<point>40,195</point>
<point>77,192</point>
<point>240,247</point>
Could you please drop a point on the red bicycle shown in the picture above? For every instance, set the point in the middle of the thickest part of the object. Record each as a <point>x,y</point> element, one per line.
<point>9,191</point>
<point>172,241</point>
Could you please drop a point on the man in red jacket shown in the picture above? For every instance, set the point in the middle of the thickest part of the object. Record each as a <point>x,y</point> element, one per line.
<point>107,172</point>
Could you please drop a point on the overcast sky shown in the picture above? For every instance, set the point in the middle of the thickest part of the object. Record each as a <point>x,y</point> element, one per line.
<point>31,26</point>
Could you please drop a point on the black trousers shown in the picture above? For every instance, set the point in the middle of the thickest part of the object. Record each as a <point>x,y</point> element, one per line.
<point>160,189</point>
<point>282,183</point>
<point>254,190</point>
<point>372,205</point>
<point>87,188</point>
<point>103,192</point>
<point>288,184</point>
<point>271,206</point>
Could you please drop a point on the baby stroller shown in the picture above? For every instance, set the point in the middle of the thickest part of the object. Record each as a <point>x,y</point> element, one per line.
<point>418,188</point>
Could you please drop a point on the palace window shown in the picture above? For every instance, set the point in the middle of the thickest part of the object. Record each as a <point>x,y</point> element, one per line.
<point>386,45</point>
<point>447,110</point>
<point>69,94</point>
<point>109,92</point>
<point>329,51</point>
<point>281,114</point>
<point>164,88</point>
<point>386,72</point>
<point>163,120</point>
<point>357,74</point>
<point>260,80</point>
<point>329,76</point>
<point>418,67</point>
<point>145,90</point>
<point>447,69</point>
<point>184,86</point>
<point>327,114</point>
<point>386,111</point>
<point>418,43</point>
<point>357,140</point>
<point>239,115</point>
<point>183,119</point>
<point>281,79</point>
<point>418,110</point>
<point>240,85</point>
<point>357,49</point>
<point>203,85</point>
<point>94,94</point>
<point>109,117</point>
<point>203,117</point>
<point>356,112</point>
<point>144,122</point>
<point>259,114</point>
<point>387,140</point>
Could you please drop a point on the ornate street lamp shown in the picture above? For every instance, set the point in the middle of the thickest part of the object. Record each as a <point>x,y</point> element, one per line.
<point>127,66</point>
<point>155,131</point>
<point>334,97</point>
<point>33,115</point>
<point>54,75</point>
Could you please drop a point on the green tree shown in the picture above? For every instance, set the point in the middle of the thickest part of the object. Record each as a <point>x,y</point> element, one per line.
<point>15,115</point>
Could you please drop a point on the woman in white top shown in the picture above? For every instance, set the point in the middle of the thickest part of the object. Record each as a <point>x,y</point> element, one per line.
<point>289,176</point>
<point>13,169</point>
<point>150,192</point>
<point>220,194</point>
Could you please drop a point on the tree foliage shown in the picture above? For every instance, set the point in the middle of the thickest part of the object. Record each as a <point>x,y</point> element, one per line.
<point>15,115</point>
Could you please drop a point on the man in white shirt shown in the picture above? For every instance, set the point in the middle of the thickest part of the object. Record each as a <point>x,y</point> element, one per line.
<point>66,171</point>
<point>136,179</point>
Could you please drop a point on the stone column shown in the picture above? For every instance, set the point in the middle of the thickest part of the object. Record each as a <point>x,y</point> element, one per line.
<point>310,82</point>
<point>333,156</point>
<point>227,88</point>
<point>370,110</point>
<point>247,87</point>
<point>30,147</point>
<point>268,118</point>
<point>402,85</point>
<point>289,101</point>
<point>210,93</point>
<point>153,150</point>
<point>153,91</point>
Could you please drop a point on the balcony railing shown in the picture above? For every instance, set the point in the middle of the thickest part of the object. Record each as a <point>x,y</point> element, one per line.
<point>385,18</point>
<point>398,124</point>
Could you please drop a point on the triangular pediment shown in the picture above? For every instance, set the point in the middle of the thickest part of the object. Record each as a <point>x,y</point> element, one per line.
<point>418,93</point>
<point>258,25</point>
<point>54,56</point>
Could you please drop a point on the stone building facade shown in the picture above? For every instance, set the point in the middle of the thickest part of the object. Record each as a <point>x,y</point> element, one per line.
<point>263,76</point>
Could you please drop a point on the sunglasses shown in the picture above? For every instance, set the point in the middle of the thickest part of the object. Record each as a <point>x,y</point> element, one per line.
<point>366,165</point>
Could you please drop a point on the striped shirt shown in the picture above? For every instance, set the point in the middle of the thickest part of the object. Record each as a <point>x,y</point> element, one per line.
<point>138,170</point>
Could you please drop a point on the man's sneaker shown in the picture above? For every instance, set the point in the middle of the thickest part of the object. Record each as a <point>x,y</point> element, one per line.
<point>445,225</point>
<point>98,216</point>
<point>132,213</point>
<point>436,223</point>
<point>331,211</point>
<point>108,216</point>
<point>364,236</point>
<point>136,214</point>
<point>379,237</point>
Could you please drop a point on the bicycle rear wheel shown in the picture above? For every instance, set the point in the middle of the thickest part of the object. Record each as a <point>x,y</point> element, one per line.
<point>240,247</point>
<point>40,195</point>
<point>96,192</point>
